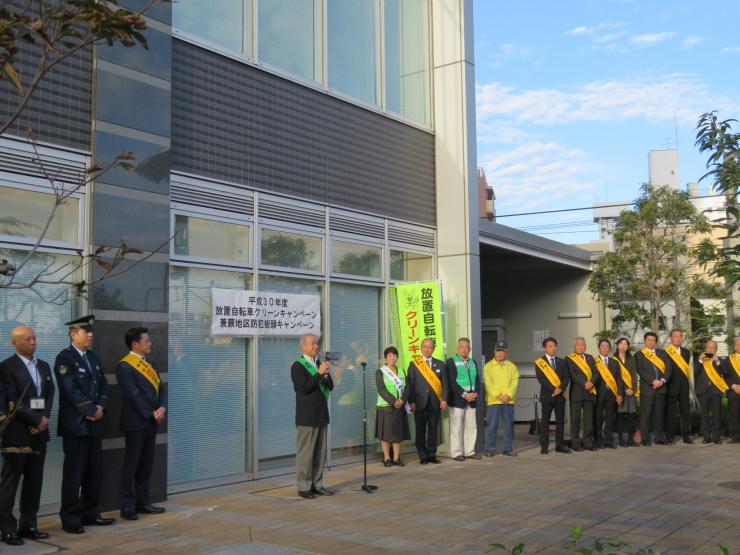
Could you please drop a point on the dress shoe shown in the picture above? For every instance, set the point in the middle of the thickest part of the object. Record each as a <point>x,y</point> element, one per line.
<point>306,494</point>
<point>474,456</point>
<point>435,460</point>
<point>563,450</point>
<point>322,491</point>
<point>687,439</point>
<point>399,462</point>
<point>611,446</point>
<point>459,458</point>
<point>387,463</point>
<point>99,521</point>
<point>423,461</point>
<point>150,510</point>
<point>732,440</point>
<point>578,449</point>
<point>73,529</point>
<point>544,451</point>
<point>33,534</point>
<point>129,514</point>
<point>705,441</point>
<point>509,453</point>
<point>718,442</point>
<point>491,454</point>
<point>11,538</point>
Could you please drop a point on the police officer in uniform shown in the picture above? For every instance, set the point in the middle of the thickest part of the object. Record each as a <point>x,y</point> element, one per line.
<point>83,398</point>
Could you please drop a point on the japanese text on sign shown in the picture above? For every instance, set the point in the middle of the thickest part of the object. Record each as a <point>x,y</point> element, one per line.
<point>245,313</point>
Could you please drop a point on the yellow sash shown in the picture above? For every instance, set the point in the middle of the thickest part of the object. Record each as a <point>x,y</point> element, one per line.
<point>652,357</point>
<point>585,368</point>
<point>735,362</point>
<point>679,360</point>
<point>547,370</point>
<point>626,376</point>
<point>717,380</point>
<point>429,375</point>
<point>143,368</point>
<point>607,376</point>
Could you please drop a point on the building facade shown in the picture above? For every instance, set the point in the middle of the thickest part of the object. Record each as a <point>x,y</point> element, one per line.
<point>306,146</point>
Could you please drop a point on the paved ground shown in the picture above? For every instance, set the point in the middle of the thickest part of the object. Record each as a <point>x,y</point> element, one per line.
<point>666,497</point>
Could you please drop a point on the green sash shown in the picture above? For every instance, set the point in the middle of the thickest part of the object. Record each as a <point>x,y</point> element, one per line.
<point>311,369</point>
<point>466,379</point>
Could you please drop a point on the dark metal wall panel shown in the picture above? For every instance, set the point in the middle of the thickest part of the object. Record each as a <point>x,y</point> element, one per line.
<point>235,122</point>
<point>60,110</point>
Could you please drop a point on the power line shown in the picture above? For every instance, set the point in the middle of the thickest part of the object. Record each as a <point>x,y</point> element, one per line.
<point>587,208</point>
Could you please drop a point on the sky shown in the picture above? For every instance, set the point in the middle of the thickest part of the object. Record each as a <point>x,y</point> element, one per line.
<point>571,95</point>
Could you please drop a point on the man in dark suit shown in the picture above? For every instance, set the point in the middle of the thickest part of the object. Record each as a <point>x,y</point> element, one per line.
<point>83,398</point>
<point>583,380</point>
<point>312,384</point>
<point>609,395</point>
<point>144,406</point>
<point>29,386</point>
<point>732,377</point>
<point>710,387</point>
<point>427,394</point>
<point>678,389</point>
<point>654,369</point>
<point>554,379</point>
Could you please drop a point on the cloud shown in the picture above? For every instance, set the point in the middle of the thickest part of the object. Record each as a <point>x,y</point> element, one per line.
<point>593,30</point>
<point>731,50</point>
<point>651,39</point>
<point>537,174</point>
<point>692,40</point>
<point>658,98</point>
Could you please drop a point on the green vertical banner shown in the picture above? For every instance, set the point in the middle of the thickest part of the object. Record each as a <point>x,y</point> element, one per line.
<point>417,314</point>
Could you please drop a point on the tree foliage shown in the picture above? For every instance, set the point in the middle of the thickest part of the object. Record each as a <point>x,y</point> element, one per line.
<point>651,266</point>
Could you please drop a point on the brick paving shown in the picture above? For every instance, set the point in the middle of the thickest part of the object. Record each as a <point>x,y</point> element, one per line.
<point>669,498</point>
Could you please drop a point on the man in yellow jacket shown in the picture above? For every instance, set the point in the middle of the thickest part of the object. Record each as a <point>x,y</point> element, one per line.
<point>500,379</point>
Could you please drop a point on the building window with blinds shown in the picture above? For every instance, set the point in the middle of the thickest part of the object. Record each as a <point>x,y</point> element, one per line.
<point>275,395</point>
<point>207,434</point>
<point>226,23</point>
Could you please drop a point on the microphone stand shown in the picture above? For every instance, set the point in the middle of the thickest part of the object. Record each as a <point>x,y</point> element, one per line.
<point>365,486</point>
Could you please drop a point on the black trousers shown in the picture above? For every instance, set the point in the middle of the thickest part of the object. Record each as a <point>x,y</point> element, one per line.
<point>576,408</point>
<point>558,407</point>
<point>626,423</point>
<point>31,468</point>
<point>652,412</point>
<point>606,419</point>
<point>427,433</point>
<point>711,426</point>
<point>82,474</point>
<point>138,461</point>
<point>734,402</point>
<point>682,400</point>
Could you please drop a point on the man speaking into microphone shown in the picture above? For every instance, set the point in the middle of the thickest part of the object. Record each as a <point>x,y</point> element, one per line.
<point>313,384</point>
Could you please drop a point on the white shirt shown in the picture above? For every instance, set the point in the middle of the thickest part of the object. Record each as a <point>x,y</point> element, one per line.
<point>34,371</point>
<point>310,359</point>
<point>605,360</point>
<point>136,354</point>
<point>551,361</point>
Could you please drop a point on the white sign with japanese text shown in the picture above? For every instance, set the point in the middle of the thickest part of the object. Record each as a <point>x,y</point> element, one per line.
<point>239,313</point>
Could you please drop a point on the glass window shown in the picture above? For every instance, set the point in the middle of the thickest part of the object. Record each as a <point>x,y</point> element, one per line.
<point>204,238</point>
<point>23,306</point>
<point>226,22</point>
<point>357,260</point>
<point>207,382</point>
<point>407,67</point>
<point>353,37</point>
<point>25,213</point>
<point>275,395</point>
<point>410,266</point>
<point>289,36</point>
<point>358,340</point>
<point>290,250</point>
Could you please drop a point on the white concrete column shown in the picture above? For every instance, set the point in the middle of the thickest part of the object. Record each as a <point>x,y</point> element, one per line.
<point>458,260</point>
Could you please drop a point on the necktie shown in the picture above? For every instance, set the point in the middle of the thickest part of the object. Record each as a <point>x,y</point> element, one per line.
<point>34,376</point>
<point>552,362</point>
<point>87,361</point>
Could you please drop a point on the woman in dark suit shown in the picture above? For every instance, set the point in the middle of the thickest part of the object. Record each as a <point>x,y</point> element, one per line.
<point>627,409</point>
<point>391,423</point>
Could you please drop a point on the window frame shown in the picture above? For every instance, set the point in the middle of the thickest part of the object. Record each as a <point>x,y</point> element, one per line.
<point>295,230</point>
<point>363,243</point>
<point>415,250</point>
<point>177,209</point>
